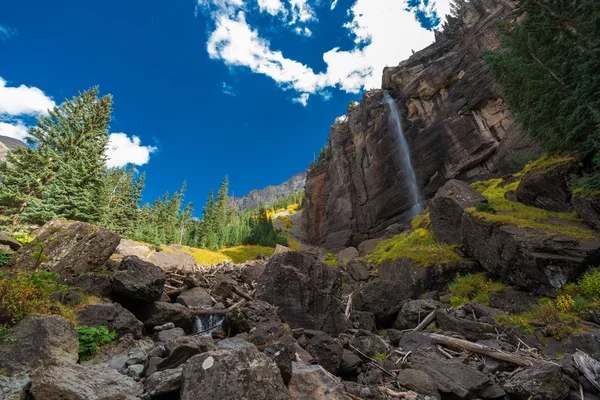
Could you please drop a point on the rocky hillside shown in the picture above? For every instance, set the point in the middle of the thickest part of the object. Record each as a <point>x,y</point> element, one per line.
<point>456,125</point>
<point>271,193</point>
<point>7,144</point>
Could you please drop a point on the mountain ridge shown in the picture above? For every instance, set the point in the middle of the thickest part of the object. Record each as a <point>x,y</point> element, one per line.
<point>271,193</point>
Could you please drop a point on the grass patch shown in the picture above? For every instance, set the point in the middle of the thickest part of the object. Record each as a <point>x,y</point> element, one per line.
<point>331,260</point>
<point>546,161</point>
<point>293,244</point>
<point>241,254</point>
<point>473,288</point>
<point>201,256</point>
<point>380,356</point>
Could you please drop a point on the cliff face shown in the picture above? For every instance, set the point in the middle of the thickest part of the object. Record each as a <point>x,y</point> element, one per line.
<point>270,193</point>
<point>456,125</point>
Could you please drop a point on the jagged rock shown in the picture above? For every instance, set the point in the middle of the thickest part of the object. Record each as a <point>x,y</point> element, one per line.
<point>164,383</point>
<point>77,382</point>
<point>279,249</point>
<point>71,248</point>
<point>325,349</point>
<point>411,341</point>
<point>394,336</point>
<point>164,327</point>
<point>138,281</point>
<point>358,270</point>
<point>382,298</point>
<point>177,258</point>
<point>96,283</point>
<point>541,382</point>
<point>282,355</point>
<point>588,342</point>
<point>235,343</point>
<point>12,243</point>
<point>159,313</point>
<point>363,392</point>
<point>169,334</point>
<point>413,312</point>
<point>448,206</point>
<point>418,381</point>
<point>588,208</point>
<point>223,287</point>
<point>252,272</point>
<point>247,374</point>
<point>455,122</point>
<point>310,383</point>
<point>350,362</point>
<point>249,316</point>
<point>512,301</point>
<point>347,254</point>
<point>528,258</point>
<point>306,291</point>
<point>180,355</point>
<point>122,352</point>
<point>270,194</point>
<point>113,316</point>
<point>196,297</point>
<point>369,344</point>
<point>363,320</point>
<point>547,189</point>
<point>470,329</point>
<point>36,341</point>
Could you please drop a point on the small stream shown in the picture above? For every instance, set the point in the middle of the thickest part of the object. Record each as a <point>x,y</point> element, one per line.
<point>207,324</point>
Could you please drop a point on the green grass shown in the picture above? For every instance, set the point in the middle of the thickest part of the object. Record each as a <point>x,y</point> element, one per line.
<point>331,260</point>
<point>241,254</point>
<point>201,256</point>
<point>380,356</point>
<point>473,288</point>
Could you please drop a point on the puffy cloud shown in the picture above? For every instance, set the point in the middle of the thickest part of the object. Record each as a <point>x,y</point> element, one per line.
<point>333,5</point>
<point>23,100</point>
<point>17,130</point>
<point>272,7</point>
<point>303,31</point>
<point>301,11</point>
<point>302,99</point>
<point>123,150</point>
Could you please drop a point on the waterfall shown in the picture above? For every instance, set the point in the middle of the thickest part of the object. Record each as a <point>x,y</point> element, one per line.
<point>410,178</point>
<point>206,324</point>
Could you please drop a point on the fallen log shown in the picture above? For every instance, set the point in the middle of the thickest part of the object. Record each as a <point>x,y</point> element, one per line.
<point>398,395</point>
<point>242,294</point>
<point>485,350</point>
<point>589,367</point>
<point>428,319</point>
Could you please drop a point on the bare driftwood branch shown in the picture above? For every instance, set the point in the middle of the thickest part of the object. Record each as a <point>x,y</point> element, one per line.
<point>219,311</point>
<point>349,306</point>
<point>428,319</point>
<point>242,294</point>
<point>397,395</point>
<point>589,367</point>
<point>485,350</point>
<point>373,362</point>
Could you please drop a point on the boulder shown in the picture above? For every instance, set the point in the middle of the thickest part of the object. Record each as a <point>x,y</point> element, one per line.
<point>78,382</point>
<point>350,363</point>
<point>366,247</point>
<point>70,248</point>
<point>528,258</point>
<point>113,316</point>
<point>588,342</point>
<point>165,383</point>
<point>12,243</point>
<point>326,350</point>
<point>95,283</point>
<point>180,355</point>
<point>252,272</point>
<point>540,382</point>
<point>512,301</point>
<point>310,383</point>
<point>160,312</point>
<point>383,298</point>
<point>279,249</point>
<point>12,387</point>
<point>588,208</point>
<point>547,189</point>
<point>369,344</point>
<point>39,340</point>
<point>470,329</point>
<point>249,316</point>
<point>418,381</point>
<point>282,355</point>
<point>363,320</point>
<point>138,281</point>
<point>347,254</point>
<point>234,375</point>
<point>448,206</point>
<point>413,312</point>
<point>196,297</point>
<point>306,291</point>
<point>123,352</point>
<point>358,270</point>
<point>168,335</point>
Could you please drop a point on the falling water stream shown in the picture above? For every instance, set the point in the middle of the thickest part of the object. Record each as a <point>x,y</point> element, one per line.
<point>410,178</point>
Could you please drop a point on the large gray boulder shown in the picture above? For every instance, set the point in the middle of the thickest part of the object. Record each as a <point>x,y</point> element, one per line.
<point>309,382</point>
<point>165,383</point>
<point>538,382</point>
<point>232,375</point>
<point>78,382</point>
<point>326,350</point>
<point>547,189</point>
<point>448,206</point>
<point>306,291</point>
<point>588,208</point>
<point>39,340</point>
<point>12,243</point>
<point>383,298</point>
<point>413,312</point>
<point>138,281</point>
<point>160,313</point>
<point>195,297</point>
<point>113,316</point>
<point>70,248</point>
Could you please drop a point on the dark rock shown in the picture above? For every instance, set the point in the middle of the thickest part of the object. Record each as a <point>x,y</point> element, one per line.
<point>235,343</point>
<point>413,312</point>
<point>270,194</point>
<point>196,297</point>
<point>223,287</point>
<point>164,327</point>
<point>152,364</point>
<point>512,301</point>
<point>36,341</point>
<point>347,254</point>
<point>135,371</point>
<point>248,374</point>
<point>252,272</point>
<point>363,320</point>
<point>201,343</point>
<point>540,382</point>
<point>448,206</point>
<point>180,355</point>
<point>306,291</point>
<point>113,316</point>
<point>394,336</point>
<point>588,342</point>
<point>78,382</point>
<point>326,350</point>
<point>164,383</point>
<point>138,281</point>
<point>588,208</point>
<point>12,243</point>
<point>159,313</point>
<point>369,344</point>
<point>418,381</point>
<point>123,352</point>
<point>282,355</point>
<point>71,248</point>
<point>382,298</point>
<point>528,258</point>
<point>95,283</point>
<point>370,377</point>
<point>470,329</point>
<point>411,341</point>
<point>366,247</point>
<point>358,270</point>
<point>363,392</point>
<point>169,335</point>
<point>350,362</point>
<point>310,383</point>
<point>547,189</point>
<point>250,315</point>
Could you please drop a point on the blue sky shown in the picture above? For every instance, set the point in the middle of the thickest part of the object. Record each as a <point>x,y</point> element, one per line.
<point>247,88</point>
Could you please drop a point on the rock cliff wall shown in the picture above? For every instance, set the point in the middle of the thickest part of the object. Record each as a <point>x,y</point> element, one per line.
<point>455,121</point>
<point>272,193</point>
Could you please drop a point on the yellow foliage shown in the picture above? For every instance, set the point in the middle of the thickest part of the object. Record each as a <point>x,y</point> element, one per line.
<point>293,244</point>
<point>565,303</point>
<point>241,254</point>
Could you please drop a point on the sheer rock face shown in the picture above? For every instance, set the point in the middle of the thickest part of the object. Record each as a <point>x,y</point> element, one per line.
<point>455,122</point>
<point>270,193</point>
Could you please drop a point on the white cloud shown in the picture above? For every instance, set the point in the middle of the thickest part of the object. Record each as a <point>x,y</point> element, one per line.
<point>123,150</point>
<point>333,5</point>
<point>272,7</point>
<point>15,131</point>
<point>23,100</point>
<point>303,31</point>
<point>302,99</point>
<point>227,89</point>
<point>301,11</point>
<point>6,32</point>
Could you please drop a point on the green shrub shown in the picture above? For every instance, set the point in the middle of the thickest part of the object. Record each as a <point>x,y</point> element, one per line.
<point>91,339</point>
<point>331,260</point>
<point>482,206</point>
<point>472,288</point>
<point>380,356</point>
<point>22,238</point>
<point>587,185</point>
<point>589,284</point>
<point>5,257</point>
